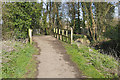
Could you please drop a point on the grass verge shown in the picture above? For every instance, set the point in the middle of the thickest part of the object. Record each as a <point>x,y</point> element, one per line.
<point>92,63</point>
<point>19,63</point>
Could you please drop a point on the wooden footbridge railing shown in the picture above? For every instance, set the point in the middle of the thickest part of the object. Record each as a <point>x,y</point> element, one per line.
<point>64,35</point>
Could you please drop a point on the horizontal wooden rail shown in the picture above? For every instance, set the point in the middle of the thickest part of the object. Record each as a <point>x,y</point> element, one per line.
<point>64,35</point>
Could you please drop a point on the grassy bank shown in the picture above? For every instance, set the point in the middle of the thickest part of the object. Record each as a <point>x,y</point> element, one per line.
<point>19,62</point>
<point>92,63</point>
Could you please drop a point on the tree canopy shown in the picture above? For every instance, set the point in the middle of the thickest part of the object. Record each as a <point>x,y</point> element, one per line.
<point>20,16</point>
<point>92,19</point>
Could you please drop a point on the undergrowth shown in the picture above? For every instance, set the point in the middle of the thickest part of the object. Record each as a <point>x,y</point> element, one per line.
<point>92,63</point>
<point>19,62</point>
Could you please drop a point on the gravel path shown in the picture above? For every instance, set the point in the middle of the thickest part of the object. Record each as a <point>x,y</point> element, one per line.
<point>54,62</point>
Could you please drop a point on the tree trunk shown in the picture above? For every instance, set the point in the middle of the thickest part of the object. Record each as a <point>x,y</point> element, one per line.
<point>93,23</point>
<point>78,15</point>
<point>83,24</point>
<point>90,20</point>
<point>74,15</point>
<point>50,27</point>
<point>53,14</point>
<point>59,24</point>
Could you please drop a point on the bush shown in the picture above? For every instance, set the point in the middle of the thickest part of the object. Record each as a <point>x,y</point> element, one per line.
<point>20,34</point>
<point>112,33</point>
<point>76,36</point>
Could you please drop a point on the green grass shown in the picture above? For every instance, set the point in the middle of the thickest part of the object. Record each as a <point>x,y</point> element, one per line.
<point>92,63</point>
<point>19,63</point>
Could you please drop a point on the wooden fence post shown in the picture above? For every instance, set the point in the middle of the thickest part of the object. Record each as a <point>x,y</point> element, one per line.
<point>39,31</point>
<point>30,35</point>
<point>62,35</point>
<point>54,32</point>
<point>71,35</point>
<point>66,36</point>
<point>59,34</point>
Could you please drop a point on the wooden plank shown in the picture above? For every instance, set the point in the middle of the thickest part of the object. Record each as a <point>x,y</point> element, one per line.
<point>59,34</point>
<point>54,32</point>
<point>67,36</point>
<point>71,35</point>
<point>30,35</point>
<point>62,35</point>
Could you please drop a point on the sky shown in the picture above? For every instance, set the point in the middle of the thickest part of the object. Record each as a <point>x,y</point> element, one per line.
<point>116,12</point>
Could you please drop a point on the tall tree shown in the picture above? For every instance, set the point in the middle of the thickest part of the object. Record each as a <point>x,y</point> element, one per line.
<point>95,14</point>
<point>50,7</point>
<point>73,4</point>
<point>20,16</point>
<point>104,14</point>
<point>78,14</point>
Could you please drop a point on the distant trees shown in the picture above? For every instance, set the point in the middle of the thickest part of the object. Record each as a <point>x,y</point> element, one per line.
<point>92,16</point>
<point>104,15</point>
<point>96,15</point>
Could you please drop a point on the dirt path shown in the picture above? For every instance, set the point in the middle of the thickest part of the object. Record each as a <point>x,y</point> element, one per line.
<point>54,62</point>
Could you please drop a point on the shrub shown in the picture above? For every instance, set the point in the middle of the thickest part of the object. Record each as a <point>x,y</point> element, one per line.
<point>76,36</point>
